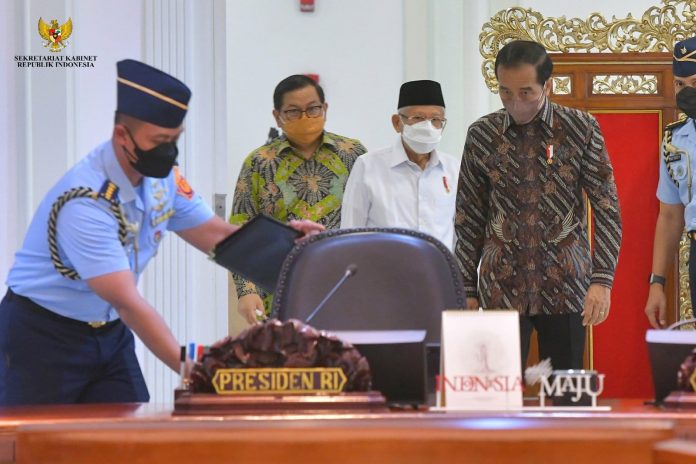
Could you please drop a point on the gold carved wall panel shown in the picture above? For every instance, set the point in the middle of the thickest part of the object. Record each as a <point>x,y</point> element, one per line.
<point>624,84</point>
<point>562,85</point>
<point>656,30</point>
<point>685,309</point>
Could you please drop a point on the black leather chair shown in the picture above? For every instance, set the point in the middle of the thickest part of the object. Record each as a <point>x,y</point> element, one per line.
<point>404,280</point>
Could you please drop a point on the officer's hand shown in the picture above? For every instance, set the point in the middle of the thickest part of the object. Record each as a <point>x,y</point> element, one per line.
<point>307,227</point>
<point>656,307</point>
<point>247,306</point>
<point>596,307</point>
<point>472,303</point>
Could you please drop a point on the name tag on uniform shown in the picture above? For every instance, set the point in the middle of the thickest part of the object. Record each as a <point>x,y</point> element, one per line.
<point>674,157</point>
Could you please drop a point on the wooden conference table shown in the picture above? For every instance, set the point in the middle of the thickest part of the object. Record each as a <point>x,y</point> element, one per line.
<point>142,433</point>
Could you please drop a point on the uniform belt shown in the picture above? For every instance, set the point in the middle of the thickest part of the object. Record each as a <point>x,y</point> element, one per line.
<point>691,234</point>
<point>95,326</point>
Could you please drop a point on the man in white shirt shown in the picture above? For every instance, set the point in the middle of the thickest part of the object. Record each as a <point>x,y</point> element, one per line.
<point>410,184</point>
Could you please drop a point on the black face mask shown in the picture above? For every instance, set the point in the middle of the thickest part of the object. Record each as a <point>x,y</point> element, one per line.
<point>156,162</point>
<point>686,101</point>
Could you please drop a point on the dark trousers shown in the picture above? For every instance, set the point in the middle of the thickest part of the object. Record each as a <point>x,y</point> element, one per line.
<point>560,337</point>
<point>46,358</point>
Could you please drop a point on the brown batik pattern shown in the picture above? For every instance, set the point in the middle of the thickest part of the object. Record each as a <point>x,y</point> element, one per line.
<point>525,220</point>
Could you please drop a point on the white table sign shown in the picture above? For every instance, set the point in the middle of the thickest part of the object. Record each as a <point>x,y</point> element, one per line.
<point>480,367</point>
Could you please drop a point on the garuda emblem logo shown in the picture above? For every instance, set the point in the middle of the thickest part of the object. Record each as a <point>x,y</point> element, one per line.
<point>55,35</point>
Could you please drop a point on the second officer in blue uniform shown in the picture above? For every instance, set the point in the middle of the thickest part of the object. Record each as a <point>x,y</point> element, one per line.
<point>675,189</point>
<point>72,300</point>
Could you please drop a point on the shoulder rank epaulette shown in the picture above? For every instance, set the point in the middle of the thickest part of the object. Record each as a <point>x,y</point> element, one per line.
<point>681,120</point>
<point>667,137</point>
<point>670,153</point>
<point>109,192</point>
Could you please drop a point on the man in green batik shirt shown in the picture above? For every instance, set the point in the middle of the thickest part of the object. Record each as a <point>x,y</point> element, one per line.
<point>300,175</point>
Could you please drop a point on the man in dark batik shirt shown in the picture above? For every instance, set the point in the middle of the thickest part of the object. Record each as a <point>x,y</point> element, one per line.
<point>521,212</point>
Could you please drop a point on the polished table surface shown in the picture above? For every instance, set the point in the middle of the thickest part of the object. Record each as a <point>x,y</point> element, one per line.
<point>150,433</point>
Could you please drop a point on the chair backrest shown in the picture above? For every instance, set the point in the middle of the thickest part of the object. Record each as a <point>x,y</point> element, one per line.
<point>404,280</point>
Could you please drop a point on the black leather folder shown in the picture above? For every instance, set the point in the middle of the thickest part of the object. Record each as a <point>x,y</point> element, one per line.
<point>256,251</point>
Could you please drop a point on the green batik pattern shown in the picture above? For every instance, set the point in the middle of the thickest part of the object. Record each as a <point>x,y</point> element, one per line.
<point>277,182</point>
<point>333,163</point>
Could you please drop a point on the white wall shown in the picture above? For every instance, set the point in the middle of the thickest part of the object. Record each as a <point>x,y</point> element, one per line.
<point>456,65</point>
<point>354,46</point>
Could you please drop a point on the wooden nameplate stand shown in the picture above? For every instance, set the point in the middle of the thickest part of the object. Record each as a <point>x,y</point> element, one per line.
<point>187,403</point>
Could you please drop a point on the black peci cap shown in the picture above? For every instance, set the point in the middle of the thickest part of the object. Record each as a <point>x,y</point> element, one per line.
<point>423,92</point>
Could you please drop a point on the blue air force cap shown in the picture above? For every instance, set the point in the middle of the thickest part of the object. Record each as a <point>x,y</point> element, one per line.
<point>684,58</point>
<point>423,92</point>
<point>150,95</point>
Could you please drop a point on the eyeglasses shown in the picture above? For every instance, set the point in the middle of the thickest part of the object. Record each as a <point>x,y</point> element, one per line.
<point>311,112</point>
<point>438,123</point>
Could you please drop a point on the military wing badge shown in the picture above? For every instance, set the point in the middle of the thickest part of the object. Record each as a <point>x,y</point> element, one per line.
<point>54,34</point>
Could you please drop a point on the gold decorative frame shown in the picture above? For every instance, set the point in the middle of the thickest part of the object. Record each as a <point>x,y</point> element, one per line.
<point>685,309</point>
<point>624,84</point>
<point>655,31</point>
<point>562,85</point>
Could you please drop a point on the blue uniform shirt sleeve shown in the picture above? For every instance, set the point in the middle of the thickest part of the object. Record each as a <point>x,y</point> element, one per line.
<point>667,191</point>
<point>87,237</point>
<point>189,208</point>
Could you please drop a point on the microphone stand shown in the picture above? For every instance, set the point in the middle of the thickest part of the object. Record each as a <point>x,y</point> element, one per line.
<point>350,271</point>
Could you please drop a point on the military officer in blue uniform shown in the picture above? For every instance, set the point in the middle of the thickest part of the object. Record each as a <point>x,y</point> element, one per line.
<point>72,299</point>
<point>675,189</point>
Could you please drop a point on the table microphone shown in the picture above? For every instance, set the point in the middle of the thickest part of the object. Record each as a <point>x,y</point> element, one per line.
<point>351,270</point>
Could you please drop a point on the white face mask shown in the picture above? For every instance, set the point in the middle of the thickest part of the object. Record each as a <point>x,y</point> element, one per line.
<point>421,137</point>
